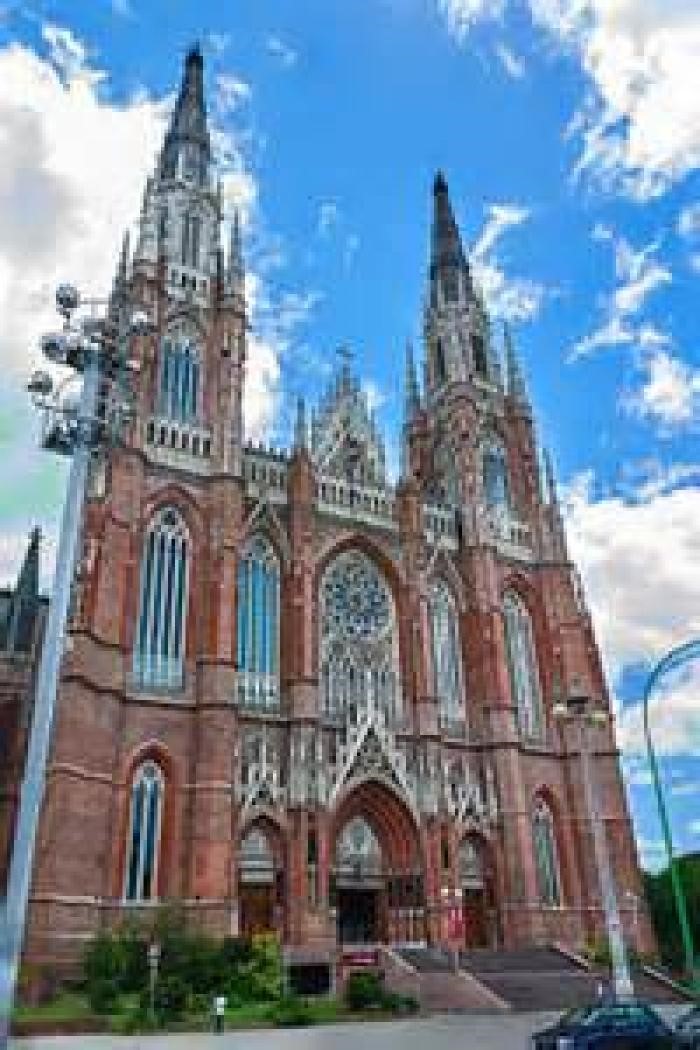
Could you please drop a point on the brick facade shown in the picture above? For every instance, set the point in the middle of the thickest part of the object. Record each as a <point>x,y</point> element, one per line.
<point>309,512</point>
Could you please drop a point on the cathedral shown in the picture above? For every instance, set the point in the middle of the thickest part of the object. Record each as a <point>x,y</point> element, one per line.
<point>298,696</point>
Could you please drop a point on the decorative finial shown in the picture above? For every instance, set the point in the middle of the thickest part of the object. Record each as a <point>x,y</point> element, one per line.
<point>300,430</point>
<point>412,393</point>
<point>516,382</point>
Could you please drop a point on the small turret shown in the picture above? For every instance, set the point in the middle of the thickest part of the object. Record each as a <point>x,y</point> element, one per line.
<point>235,269</point>
<point>549,479</point>
<point>411,391</point>
<point>450,279</point>
<point>514,376</point>
<point>301,437</point>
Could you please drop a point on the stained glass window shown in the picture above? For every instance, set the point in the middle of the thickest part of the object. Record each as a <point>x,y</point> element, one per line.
<point>144,834</point>
<point>179,387</point>
<point>446,657</point>
<point>358,641</point>
<point>159,647</point>
<point>522,664</point>
<point>258,596</point>
<point>495,474</point>
<point>546,860</point>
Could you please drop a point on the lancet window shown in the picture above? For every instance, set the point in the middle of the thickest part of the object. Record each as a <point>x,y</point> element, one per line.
<point>522,663</point>
<point>143,844</point>
<point>257,649</point>
<point>359,643</point>
<point>546,859</point>
<point>180,381</point>
<point>159,646</point>
<point>444,632</point>
<point>495,474</point>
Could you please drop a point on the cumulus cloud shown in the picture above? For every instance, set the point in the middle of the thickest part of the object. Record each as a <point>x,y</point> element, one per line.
<point>689,221</point>
<point>637,552</point>
<point>674,717</point>
<point>670,393</point>
<point>328,217</point>
<point>639,123</point>
<point>508,298</point>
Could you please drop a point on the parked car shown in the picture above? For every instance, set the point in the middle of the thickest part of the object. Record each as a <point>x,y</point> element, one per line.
<point>607,1026</point>
<point>688,1030</point>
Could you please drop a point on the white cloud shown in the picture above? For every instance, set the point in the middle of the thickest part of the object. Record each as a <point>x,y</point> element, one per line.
<point>670,393</point>
<point>694,827</point>
<point>285,54</point>
<point>513,65</point>
<point>231,91</point>
<point>218,41</point>
<point>640,125</point>
<point>352,246</point>
<point>674,717</point>
<point>695,263</point>
<point>461,15</point>
<point>689,221</point>
<point>508,298</point>
<point>638,557</point>
<point>638,274</point>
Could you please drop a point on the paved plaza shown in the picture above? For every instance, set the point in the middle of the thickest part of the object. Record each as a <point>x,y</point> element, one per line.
<point>453,1032</point>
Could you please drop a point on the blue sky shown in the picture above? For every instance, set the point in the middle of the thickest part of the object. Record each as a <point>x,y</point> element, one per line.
<point>569,131</point>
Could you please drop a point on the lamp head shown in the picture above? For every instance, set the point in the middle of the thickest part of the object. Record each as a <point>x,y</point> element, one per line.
<point>67,299</point>
<point>54,347</point>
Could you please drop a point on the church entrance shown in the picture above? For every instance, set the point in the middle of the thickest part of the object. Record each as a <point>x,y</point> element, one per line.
<point>358,915</point>
<point>258,885</point>
<point>474,895</point>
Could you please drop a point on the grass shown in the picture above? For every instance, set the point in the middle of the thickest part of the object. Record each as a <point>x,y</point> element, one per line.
<point>73,1008</point>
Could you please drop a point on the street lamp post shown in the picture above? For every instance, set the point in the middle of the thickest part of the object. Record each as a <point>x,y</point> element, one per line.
<point>676,658</point>
<point>94,348</point>
<point>579,709</point>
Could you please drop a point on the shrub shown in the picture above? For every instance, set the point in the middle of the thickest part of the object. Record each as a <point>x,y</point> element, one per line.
<point>291,1012</point>
<point>103,966</point>
<point>262,974</point>
<point>364,990</point>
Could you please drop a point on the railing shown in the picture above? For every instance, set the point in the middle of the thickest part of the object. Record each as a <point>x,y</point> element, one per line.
<point>265,469</point>
<point>178,444</point>
<point>367,503</point>
<point>511,536</point>
<point>440,525</point>
<point>257,692</point>
<point>154,672</point>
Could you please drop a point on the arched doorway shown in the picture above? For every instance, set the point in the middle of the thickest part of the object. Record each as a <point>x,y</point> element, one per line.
<point>377,883</point>
<point>473,875</point>
<point>259,883</point>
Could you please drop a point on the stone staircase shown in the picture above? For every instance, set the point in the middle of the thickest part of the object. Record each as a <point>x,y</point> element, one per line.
<point>430,976</point>
<point>544,978</point>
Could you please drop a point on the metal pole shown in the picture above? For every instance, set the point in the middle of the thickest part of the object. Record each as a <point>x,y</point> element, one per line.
<point>676,658</point>
<point>624,989</point>
<point>14,912</point>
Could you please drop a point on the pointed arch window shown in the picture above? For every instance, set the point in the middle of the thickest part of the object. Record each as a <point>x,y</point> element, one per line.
<point>546,857</point>
<point>444,632</point>
<point>159,647</point>
<point>440,369</point>
<point>143,844</point>
<point>495,474</point>
<point>180,380</point>
<point>257,641</point>
<point>526,695</point>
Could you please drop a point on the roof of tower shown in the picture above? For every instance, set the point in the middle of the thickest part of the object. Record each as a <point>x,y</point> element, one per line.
<point>188,123</point>
<point>447,256</point>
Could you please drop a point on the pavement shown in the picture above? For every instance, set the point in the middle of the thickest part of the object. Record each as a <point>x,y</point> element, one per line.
<point>448,1032</point>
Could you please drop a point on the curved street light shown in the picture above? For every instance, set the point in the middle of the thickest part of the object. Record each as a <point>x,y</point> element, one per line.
<point>674,659</point>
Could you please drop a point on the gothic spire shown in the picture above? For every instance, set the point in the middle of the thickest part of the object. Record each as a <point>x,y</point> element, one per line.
<point>121,277</point>
<point>549,478</point>
<point>187,148</point>
<point>411,391</point>
<point>24,601</point>
<point>300,429</point>
<point>28,579</point>
<point>515,382</point>
<point>448,263</point>
<point>235,272</point>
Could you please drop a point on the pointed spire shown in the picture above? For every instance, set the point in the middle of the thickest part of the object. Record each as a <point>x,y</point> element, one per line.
<point>28,579</point>
<point>411,391</point>
<point>121,277</point>
<point>447,259</point>
<point>300,430</point>
<point>187,147</point>
<point>550,480</point>
<point>515,382</point>
<point>235,272</point>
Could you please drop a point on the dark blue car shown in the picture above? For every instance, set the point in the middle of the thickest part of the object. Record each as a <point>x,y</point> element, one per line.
<point>607,1026</point>
<point>688,1030</point>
